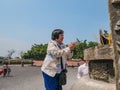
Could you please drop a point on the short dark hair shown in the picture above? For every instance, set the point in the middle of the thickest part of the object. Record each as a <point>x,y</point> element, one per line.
<point>56,33</point>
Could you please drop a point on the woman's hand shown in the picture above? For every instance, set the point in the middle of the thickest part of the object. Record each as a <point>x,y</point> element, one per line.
<point>72,45</point>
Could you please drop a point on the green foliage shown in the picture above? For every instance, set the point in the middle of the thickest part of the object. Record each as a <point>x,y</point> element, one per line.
<point>81,46</point>
<point>38,52</point>
<point>92,44</point>
<point>1,61</point>
<point>17,61</point>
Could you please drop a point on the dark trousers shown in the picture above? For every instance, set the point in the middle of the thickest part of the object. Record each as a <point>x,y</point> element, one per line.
<point>51,83</point>
<point>4,72</point>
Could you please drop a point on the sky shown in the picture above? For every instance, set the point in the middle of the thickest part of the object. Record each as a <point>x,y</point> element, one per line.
<point>24,23</point>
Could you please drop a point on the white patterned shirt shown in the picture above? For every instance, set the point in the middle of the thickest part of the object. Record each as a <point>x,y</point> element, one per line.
<point>52,61</point>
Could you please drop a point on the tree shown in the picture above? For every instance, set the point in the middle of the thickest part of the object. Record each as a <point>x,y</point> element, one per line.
<point>10,53</point>
<point>78,52</point>
<point>37,52</point>
<point>21,53</point>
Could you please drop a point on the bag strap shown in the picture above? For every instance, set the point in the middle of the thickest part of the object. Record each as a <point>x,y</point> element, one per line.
<point>61,61</point>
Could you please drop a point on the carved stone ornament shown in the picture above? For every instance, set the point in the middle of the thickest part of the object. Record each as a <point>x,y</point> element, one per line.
<point>117,26</point>
<point>118,43</point>
<point>118,48</point>
<point>118,23</point>
<point>115,1</point>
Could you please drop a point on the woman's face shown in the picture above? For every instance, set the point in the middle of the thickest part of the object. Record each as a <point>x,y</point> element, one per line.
<point>60,38</point>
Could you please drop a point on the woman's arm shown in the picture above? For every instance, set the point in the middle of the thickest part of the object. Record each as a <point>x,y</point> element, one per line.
<point>55,51</point>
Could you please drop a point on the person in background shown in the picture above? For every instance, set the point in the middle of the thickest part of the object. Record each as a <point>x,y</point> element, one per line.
<point>6,70</point>
<point>56,51</point>
<point>82,69</point>
<point>22,63</point>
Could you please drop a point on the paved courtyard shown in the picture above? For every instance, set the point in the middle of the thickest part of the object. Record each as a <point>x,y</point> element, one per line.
<point>30,78</point>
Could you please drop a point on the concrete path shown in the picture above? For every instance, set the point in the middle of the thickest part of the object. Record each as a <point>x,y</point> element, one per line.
<point>30,78</point>
<point>86,83</point>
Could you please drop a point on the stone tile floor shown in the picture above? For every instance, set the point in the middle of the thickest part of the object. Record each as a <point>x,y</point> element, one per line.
<point>30,78</point>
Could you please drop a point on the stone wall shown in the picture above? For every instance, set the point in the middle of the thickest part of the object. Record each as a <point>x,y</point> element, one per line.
<point>102,70</point>
<point>101,63</point>
<point>99,53</point>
